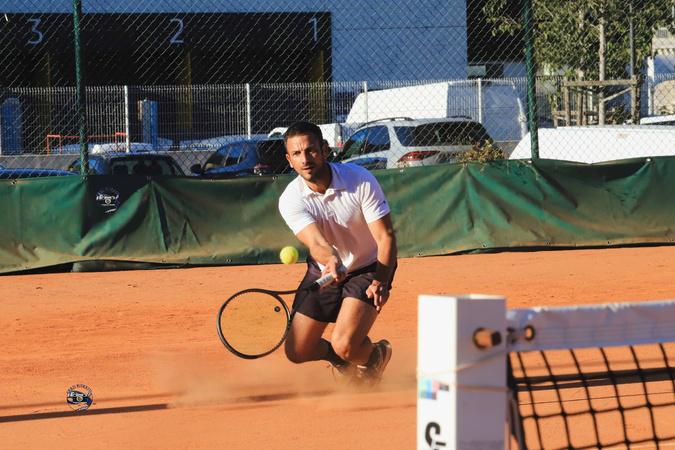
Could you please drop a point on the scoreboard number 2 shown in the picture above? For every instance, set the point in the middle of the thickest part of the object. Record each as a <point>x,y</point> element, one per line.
<point>176,37</point>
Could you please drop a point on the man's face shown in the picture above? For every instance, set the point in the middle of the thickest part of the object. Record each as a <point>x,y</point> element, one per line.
<point>307,156</point>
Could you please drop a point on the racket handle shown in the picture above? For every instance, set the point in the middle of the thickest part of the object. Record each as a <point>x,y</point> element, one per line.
<point>321,282</point>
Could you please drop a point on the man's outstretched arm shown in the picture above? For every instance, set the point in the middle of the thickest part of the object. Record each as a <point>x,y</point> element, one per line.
<point>322,251</point>
<point>383,233</point>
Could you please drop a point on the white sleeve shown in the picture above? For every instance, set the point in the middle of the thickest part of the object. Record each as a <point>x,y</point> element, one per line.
<point>294,212</point>
<point>373,202</point>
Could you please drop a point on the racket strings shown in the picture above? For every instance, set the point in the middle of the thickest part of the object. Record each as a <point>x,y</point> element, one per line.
<point>253,323</point>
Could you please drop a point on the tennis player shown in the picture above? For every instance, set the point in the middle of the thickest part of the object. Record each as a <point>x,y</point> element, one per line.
<point>339,212</point>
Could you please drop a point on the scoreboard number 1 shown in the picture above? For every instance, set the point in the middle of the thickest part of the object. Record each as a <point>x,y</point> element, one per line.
<point>314,21</point>
<point>176,37</point>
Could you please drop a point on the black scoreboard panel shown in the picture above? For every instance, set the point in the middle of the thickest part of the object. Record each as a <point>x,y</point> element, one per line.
<point>34,52</point>
<point>167,48</point>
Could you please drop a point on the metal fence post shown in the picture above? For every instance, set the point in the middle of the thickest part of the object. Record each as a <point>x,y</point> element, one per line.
<point>651,76</point>
<point>531,78</point>
<point>479,84</point>
<point>127,120</point>
<point>248,110</point>
<point>80,99</point>
<point>365,99</point>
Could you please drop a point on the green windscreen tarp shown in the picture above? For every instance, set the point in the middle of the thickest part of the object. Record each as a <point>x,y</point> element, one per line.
<point>436,210</point>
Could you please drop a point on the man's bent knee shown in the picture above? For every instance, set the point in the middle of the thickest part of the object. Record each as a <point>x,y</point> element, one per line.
<point>345,348</point>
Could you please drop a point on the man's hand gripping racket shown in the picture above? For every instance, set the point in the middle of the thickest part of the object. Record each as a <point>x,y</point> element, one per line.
<point>254,322</point>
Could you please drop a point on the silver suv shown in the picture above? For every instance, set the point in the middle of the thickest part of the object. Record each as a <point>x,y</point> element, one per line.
<point>405,142</point>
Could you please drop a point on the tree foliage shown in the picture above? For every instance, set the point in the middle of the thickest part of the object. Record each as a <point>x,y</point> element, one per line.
<point>566,32</point>
<point>482,152</point>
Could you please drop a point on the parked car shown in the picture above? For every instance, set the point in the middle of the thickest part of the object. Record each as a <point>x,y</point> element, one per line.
<point>244,158</point>
<point>405,142</point>
<point>119,163</point>
<point>30,172</point>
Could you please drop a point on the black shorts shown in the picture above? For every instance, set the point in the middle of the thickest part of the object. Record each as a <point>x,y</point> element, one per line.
<point>324,305</point>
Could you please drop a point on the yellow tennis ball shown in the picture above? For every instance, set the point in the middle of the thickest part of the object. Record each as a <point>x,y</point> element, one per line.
<point>289,255</point>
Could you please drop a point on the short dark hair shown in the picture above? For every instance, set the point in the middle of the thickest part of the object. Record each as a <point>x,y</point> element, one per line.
<point>301,129</point>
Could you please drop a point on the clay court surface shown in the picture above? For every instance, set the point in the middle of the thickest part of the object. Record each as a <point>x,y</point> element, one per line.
<point>145,342</point>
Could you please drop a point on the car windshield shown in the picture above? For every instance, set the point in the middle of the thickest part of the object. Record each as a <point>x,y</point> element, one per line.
<point>441,133</point>
<point>96,166</point>
<point>273,154</point>
<point>143,166</point>
<point>370,140</point>
<point>228,155</point>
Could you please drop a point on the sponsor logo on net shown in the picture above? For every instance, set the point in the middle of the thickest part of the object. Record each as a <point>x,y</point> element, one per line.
<point>79,397</point>
<point>429,389</point>
<point>108,199</point>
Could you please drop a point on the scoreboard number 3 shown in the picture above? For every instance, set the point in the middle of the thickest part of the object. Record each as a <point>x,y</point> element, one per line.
<point>38,36</point>
<point>176,37</point>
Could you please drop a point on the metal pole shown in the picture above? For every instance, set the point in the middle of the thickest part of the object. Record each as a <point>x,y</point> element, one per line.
<point>635,99</point>
<point>567,104</point>
<point>248,110</point>
<point>127,120</point>
<point>479,83</point>
<point>531,78</point>
<point>651,77</point>
<point>365,98</point>
<point>631,43</point>
<point>602,51</point>
<point>80,99</point>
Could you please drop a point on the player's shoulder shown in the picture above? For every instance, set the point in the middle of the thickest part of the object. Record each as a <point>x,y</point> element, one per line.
<point>293,191</point>
<point>352,173</point>
<point>293,187</point>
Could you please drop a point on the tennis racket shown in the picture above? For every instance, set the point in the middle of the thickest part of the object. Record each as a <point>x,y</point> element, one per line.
<point>255,322</point>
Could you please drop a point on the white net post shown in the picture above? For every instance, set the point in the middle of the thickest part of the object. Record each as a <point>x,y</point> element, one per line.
<point>461,387</point>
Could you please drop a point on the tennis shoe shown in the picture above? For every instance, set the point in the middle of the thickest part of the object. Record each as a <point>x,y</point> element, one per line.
<point>342,372</point>
<point>371,374</point>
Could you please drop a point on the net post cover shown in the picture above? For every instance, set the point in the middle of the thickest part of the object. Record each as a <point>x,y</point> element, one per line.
<point>461,399</point>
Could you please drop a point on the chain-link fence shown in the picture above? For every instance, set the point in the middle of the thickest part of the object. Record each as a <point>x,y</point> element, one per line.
<point>393,84</point>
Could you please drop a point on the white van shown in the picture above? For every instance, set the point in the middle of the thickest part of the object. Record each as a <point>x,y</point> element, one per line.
<point>592,144</point>
<point>497,105</point>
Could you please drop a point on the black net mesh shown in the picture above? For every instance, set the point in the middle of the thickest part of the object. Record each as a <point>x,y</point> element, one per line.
<point>614,397</point>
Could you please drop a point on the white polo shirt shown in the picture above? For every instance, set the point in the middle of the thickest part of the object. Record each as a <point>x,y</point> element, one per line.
<point>352,201</point>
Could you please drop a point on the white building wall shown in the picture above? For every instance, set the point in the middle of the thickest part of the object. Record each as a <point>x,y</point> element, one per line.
<point>372,39</point>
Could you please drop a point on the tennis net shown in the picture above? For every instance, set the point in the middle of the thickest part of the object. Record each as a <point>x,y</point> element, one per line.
<point>583,377</point>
